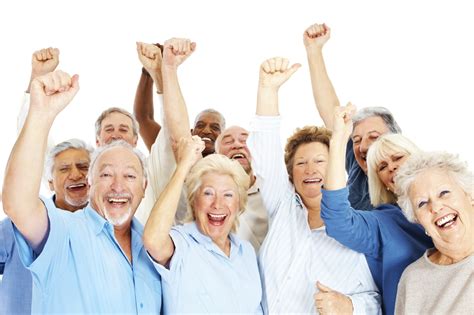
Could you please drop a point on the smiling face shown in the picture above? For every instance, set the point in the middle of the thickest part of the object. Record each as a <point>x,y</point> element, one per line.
<point>444,209</point>
<point>233,144</point>
<point>117,185</point>
<point>309,169</point>
<point>216,206</point>
<point>387,168</point>
<point>116,126</point>
<point>364,134</point>
<point>69,181</point>
<point>208,127</point>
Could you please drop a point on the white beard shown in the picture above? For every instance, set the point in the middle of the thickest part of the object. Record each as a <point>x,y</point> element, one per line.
<point>120,220</point>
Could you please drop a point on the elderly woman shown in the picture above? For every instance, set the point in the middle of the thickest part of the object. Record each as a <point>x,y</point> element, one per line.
<point>389,241</point>
<point>435,189</point>
<point>300,265</point>
<point>204,267</point>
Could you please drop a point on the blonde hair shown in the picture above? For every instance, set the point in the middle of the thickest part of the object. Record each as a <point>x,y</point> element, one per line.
<point>417,164</point>
<point>220,165</point>
<point>381,150</point>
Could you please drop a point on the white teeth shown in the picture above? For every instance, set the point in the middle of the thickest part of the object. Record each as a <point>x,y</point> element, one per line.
<point>217,216</point>
<point>445,219</point>
<point>76,186</point>
<point>312,180</point>
<point>237,156</point>
<point>206,139</point>
<point>118,200</point>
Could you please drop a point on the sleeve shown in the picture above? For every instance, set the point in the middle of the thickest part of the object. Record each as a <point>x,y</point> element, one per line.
<point>358,230</point>
<point>51,262</point>
<point>350,158</point>
<point>268,161</point>
<point>181,246</point>
<point>160,167</point>
<point>6,241</point>
<point>366,302</point>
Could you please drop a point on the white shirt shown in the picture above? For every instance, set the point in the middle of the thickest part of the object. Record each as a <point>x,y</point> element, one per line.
<point>293,257</point>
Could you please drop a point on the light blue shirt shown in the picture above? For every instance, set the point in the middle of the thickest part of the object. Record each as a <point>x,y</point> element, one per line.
<point>82,268</point>
<point>15,287</point>
<point>202,279</point>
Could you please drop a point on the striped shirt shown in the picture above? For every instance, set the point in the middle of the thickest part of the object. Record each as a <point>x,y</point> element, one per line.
<point>293,257</point>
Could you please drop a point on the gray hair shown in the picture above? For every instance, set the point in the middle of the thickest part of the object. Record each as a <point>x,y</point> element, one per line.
<point>381,112</point>
<point>452,164</point>
<point>379,151</point>
<point>211,111</point>
<point>107,112</point>
<point>61,147</point>
<point>118,143</point>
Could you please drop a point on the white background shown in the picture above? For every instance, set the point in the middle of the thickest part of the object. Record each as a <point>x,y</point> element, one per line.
<point>414,57</point>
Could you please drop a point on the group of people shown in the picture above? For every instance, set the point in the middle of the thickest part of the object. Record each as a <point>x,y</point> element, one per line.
<point>349,218</point>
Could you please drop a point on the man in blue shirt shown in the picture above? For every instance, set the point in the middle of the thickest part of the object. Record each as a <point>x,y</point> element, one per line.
<point>66,171</point>
<point>92,260</point>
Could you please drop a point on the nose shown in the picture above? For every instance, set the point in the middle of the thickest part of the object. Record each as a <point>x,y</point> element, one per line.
<point>364,145</point>
<point>310,168</point>
<point>75,174</point>
<point>117,184</point>
<point>207,129</point>
<point>392,166</point>
<point>436,206</point>
<point>116,136</point>
<point>217,202</point>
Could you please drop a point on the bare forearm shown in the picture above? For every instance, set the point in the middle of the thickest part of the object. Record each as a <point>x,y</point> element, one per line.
<point>156,235</point>
<point>336,174</point>
<point>23,177</point>
<point>174,106</point>
<point>144,111</point>
<point>323,91</point>
<point>267,101</point>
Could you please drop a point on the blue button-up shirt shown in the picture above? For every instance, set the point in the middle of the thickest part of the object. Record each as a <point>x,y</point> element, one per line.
<point>203,280</point>
<point>15,287</point>
<point>82,268</point>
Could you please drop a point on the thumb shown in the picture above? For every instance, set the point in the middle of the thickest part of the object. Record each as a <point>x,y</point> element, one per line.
<point>293,69</point>
<point>321,287</point>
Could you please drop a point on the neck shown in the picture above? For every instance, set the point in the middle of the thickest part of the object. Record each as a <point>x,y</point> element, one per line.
<point>223,244</point>
<point>313,205</point>
<point>62,204</point>
<point>449,257</point>
<point>253,178</point>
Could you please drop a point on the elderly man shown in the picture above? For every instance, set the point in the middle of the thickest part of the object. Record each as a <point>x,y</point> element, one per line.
<point>369,123</point>
<point>208,125</point>
<point>66,172</point>
<point>92,260</point>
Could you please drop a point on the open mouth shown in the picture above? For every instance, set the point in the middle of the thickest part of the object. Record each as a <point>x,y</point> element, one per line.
<point>446,221</point>
<point>216,219</point>
<point>76,187</point>
<point>237,156</point>
<point>206,139</point>
<point>118,201</point>
<point>313,181</point>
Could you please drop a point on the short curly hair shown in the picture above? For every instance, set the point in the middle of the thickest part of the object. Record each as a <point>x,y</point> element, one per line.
<point>307,134</point>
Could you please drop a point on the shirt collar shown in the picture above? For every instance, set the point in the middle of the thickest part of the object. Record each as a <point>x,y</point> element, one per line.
<point>97,222</point>
<point>255,188</point>
<point>192,229</point>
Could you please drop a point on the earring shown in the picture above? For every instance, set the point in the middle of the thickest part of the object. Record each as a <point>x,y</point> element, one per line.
<point>427,234</point>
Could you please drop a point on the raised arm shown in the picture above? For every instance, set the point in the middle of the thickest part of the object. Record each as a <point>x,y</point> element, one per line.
<point>49,95</point>
<point>324,94</point>
<point>151,57</point>
<point>176,118</point>
<point>156,236</point>
<point>273,73</point>
<point>43,61</point>
<point>264,140</point>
